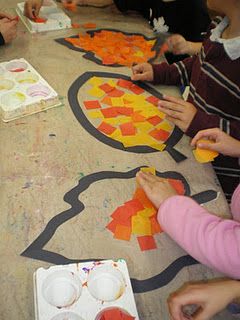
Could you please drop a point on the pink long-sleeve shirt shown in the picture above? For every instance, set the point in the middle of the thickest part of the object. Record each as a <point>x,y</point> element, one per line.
<point>211,240</point>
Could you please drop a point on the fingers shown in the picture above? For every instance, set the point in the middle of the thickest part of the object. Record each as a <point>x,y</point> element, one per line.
<point>139,77</point>
<point>144,182</point>
<point>142,72</point>
<point>6,15</point>
<point>12,23</point>
<point>37,10</point>
<point>179,101</point>
<point>208,133</point>
<point>31,9</point>
<point>175,106</point>
<point>175,305</point>
<point>28,10</point>
<point>147,177</point>
<point>171,113</point>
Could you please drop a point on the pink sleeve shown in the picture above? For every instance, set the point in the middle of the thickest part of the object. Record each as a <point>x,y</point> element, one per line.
<point>235,204</point>
<point>211,240</point>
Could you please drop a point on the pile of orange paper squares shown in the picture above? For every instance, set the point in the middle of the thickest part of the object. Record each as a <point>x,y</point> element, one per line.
<point>138,216</point>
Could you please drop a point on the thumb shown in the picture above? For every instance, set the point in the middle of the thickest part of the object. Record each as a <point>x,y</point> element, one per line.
<point>203,314</point>
<point>208,146</point>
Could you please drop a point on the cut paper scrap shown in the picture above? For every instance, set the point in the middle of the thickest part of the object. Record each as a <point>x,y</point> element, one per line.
<point>92,104</point>
<point>147,243</point>
<point>204,155</point>
<point>138,216</point>
<point>106,128</point>
<point>130,110</point>
<point>113,47</point>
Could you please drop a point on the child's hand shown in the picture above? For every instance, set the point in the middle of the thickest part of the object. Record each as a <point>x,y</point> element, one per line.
<point>32,8</point>
<point>177,44</point>
<point>8,29</point>
<point>211,298</point>
<point>223,143</point>
<point>178,111</point>
<point>156,189</point>
<point>143,72</point>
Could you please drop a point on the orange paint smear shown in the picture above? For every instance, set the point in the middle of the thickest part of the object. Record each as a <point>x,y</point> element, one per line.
<point>89,25</point>
<point>76,25</point>
<point>39,20</point>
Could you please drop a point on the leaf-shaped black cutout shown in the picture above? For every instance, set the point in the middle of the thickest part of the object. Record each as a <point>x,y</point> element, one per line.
<point>36,248</point>
<point>83,120</point>
<point>89,55</point>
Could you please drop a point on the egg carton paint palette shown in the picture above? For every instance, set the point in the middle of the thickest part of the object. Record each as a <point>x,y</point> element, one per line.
<point>84,291</point>
<point>55,18</point>
<point>23,91</point>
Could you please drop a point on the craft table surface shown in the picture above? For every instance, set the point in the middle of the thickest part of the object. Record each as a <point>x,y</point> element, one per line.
<point>43,156</point>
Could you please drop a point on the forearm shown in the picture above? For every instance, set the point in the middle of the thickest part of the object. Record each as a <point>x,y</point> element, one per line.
<point>202,121</point>
<point>208,238</point>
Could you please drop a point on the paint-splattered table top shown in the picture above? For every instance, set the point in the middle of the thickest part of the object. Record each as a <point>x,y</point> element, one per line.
<point>45,160</point>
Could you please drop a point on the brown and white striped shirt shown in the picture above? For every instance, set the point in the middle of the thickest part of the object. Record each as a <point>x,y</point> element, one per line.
<point>214,79</point>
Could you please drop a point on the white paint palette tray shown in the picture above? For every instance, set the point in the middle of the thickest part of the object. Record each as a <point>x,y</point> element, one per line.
<point>56,19</point>
<point>84,291</point>
<point>23,91</point>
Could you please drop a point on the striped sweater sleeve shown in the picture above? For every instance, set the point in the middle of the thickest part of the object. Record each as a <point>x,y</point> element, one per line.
<point>211,240</point>
<point>175,74</point>
<point>202,121</point>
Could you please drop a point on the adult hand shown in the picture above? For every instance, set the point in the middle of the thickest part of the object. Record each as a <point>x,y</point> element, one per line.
<point>143,72</point>
<point>222,142</point>
<point>157,189</point>
<point>8,29</point>
<point>32,8</point>
<point>210,298</point>
<point>178,111</point>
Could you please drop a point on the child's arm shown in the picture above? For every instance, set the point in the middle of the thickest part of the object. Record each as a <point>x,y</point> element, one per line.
<point>175,74</point>
<point>178,73</point>
<point>209,239</point>
<point>210,298</point>
<point>203,120</point>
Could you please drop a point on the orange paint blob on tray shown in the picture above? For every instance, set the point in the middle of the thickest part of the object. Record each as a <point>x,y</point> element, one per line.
<point>115,47</point>
<point>39,20</point>
<point>70,6</point>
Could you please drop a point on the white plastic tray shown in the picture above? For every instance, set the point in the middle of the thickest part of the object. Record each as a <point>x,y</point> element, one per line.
<point>83,291</point>
<point>23,91</point>
<point>56,18</point>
